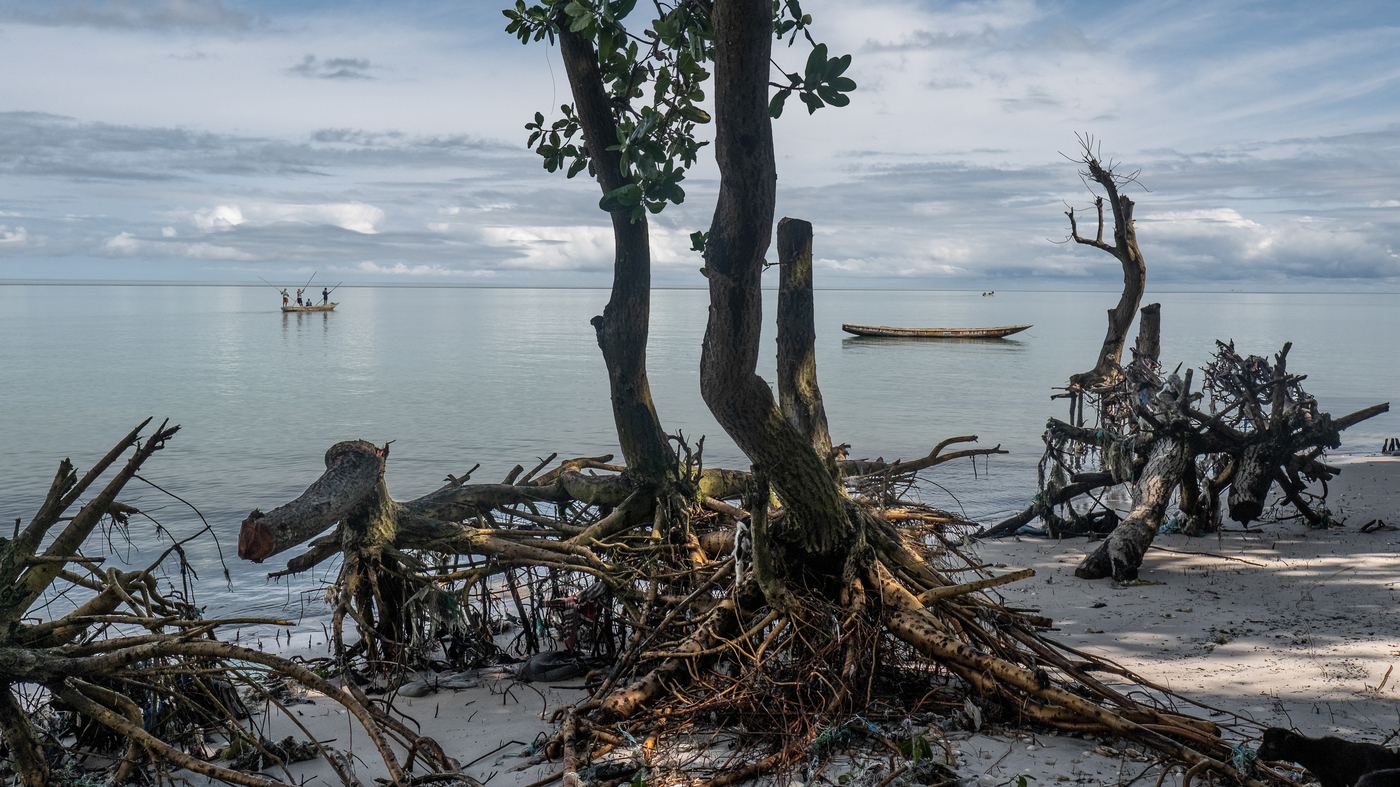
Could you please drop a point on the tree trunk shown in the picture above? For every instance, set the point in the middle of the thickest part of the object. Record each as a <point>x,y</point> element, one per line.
<point>1121,552</point>
<point>1253,477</point>
<point>1125,249</point>
<point>798,392</point>
<point>1149,336</point>
<point>622,327</point>
<point>354,469</point>
<point>739,236</point>
<point>26,751</point>
<point>353,482</point>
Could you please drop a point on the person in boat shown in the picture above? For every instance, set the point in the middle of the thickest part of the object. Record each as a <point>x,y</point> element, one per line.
<point>285,297</point>
<point>325,296</point>
<point>299,292</point>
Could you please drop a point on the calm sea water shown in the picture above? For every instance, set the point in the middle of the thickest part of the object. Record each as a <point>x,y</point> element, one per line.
<point>459,376</point>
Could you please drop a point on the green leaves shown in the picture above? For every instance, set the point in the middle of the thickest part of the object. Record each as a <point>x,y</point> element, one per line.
<point>529,23</point>
<point>820,83</point>
<point>915,748</point>
<point>654,81</point>
<point>556,142</point>
<point>775,106</point>
<point>621,199</point>
<point>654,77</point>
<point>795,21</point>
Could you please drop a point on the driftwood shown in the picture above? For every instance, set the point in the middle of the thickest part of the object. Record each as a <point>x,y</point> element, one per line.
<point>1261,428</point>
<point>129,641</point>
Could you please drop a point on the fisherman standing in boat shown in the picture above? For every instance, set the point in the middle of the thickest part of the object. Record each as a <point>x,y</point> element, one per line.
<point>284,296</point>
<point>299,292</point>
<point>325,296</point>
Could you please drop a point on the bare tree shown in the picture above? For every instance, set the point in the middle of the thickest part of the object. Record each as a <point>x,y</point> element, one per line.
<point>1261,426</point>
<point>1124,248</point>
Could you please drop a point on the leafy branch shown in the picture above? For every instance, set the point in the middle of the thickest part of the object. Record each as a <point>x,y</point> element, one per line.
<point>655,84</point>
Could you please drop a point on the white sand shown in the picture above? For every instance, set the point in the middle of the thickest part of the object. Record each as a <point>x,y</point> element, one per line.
<point>1286,626</point>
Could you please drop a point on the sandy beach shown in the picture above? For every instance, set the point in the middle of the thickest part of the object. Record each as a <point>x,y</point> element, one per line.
<point>1277,623</point>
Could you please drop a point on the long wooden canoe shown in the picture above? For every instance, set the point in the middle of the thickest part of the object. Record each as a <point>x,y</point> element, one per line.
<point>934,333</point>
<point>315,307</point>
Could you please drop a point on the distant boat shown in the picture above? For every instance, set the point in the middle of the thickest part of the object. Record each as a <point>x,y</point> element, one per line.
<point>315,307</point>
<point>933,333</point>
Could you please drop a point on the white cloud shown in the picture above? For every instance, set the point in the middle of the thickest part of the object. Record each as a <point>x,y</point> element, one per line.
<point>945,167</point>
<point>123,245</point>
<point>220,218</point>
<point>139,14</point>
<point>126,244</point>
<point>1221,243</point>
<point>208,251</point>
<point>553,248</point>
<point>400,269</point>
<point>17,236</point>
<point>353,216</point>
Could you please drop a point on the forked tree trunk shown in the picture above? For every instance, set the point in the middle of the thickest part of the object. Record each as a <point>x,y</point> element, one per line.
<point>622,327</point>
<point>740,400</point>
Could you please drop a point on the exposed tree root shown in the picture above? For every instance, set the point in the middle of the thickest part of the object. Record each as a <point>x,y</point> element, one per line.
<point>1261,428</point>
<point>141,675</point>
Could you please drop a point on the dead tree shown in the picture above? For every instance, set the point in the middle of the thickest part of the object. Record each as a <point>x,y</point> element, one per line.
<point>1124,248</point>
<point>129,640</point>
<point>1261,428</point>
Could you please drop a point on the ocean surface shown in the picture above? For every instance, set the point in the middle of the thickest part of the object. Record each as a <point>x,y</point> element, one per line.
<point>460,376</point>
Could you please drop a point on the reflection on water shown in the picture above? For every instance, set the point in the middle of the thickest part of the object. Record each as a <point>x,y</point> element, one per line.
<point>500,377</point>
<point>855,342</point>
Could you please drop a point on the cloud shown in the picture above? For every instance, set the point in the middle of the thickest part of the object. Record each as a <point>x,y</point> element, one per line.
<point>553,247</point>
<point>220,218</point>
<point>1220,243</point>
<point>131,14</point>
<point>400,269</point>
<point>123,245</point>
<point>1270,141</point>
<point>353,216</point>
<point>53,146</point>
<point>334,68</point>
<point>126,244</point>
<point>17,236</point>
<point>1035,97</point>
<point>923,39</point>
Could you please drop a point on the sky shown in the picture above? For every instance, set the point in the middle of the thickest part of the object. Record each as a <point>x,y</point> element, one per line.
<point>227,140</point>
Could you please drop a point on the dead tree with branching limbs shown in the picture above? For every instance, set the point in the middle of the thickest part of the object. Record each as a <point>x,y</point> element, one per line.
<point>1148,430</point>
<point>132,670</point>
<point>1124,248</point>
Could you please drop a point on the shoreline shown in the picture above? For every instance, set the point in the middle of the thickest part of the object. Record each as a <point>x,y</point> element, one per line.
<point>1277,623</point>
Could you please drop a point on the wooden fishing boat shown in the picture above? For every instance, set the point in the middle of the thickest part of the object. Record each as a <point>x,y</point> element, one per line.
<point>934,333</point>
<point>315,307</point>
